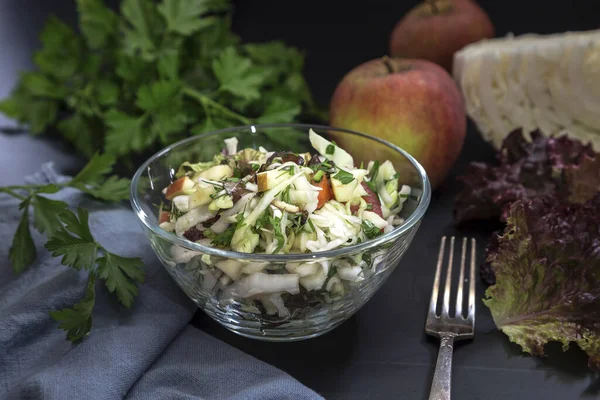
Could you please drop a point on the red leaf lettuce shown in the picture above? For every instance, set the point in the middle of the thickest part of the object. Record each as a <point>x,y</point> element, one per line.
<point>526,170</point>
<point>547,269</point>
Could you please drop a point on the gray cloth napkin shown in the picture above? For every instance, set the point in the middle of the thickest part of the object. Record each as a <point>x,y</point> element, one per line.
<point>146,352</point>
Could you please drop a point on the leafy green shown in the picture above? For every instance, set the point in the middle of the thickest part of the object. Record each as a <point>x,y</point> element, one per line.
<point>222,239</point>
<point>46,214</point>
<point>372,182</point>
<point>370,230</point>
<point>237,75</point>
<point>547,268</point>
<point>344,176</point>
<point>543,166</point>
<point>74,242</point>
<point>120,274</point>
<point>70,237</point>
<point>277,233</point>
<point>153,73</point>
<point>22,251</point>
<point>77,321</point>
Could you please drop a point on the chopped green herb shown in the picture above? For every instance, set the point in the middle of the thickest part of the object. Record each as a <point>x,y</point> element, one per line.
<point>237,173</point>
<point>255,167</point>
<point>396,176</point>
<point>175,213</point>
<point>404,196</point>
<point>285,195</point>
<point>362,165</point>
<point>276,224</point>
<point>330,149</point>
<point>318,176</point>
<point>312,226</point>
<point>370,230</point>
<point>222,239</point>
<point>262,221</point>
<point>344,177</point>
<point>369,207</point>
<point>372,182</point>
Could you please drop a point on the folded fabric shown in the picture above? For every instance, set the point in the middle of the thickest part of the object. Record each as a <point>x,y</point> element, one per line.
<point>146,352</point>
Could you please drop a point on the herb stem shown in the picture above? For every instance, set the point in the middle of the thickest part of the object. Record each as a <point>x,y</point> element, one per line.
<point>205,100</point>
<point>12,193</point>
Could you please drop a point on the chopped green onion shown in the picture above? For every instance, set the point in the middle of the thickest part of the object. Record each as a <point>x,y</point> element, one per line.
<point>344,177</point>
<point>330,149</point>
<point>371,231</point>
<point>369,207</point>
<point>318,176</point>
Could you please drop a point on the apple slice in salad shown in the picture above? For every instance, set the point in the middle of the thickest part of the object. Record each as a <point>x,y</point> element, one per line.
<point>261,201</point>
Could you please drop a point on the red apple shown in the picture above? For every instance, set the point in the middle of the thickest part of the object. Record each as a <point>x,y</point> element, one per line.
<point>183,185</point>
<point>436,29</point>
<point>414,104</point>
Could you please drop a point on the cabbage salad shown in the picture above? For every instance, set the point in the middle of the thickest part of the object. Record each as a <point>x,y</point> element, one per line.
<point>261,201</point>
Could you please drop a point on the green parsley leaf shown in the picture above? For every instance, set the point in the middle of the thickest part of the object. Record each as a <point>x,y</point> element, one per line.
<point>344,177</point>
<point>22,250</point>
<point>236,74</point>
<point>98,23</point>
<point>106,92</point>
<point>77,321</point>
<point>74,242</point>
<point>76,129</point>
<point>163,101</point>
<point>280,110</point>
<point>370,230</point>
<point>61,52</point>
<point>121,275</point>
<point>39,84</point>
<point>95,170</point>
<point>49,188</point>
<point>139,34</point>
<point>185,16</point>
<point>125,133</point>
<point>330,149</point>
<point>24,107</point>
<point>276,53</point>
<point>168,64</point>
<point>210,124</point>
<point>112,189</point>
<point>45,214</point>
<point>156,95</point>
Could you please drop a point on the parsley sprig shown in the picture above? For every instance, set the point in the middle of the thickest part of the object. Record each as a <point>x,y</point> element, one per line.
<point>69,237</point>
<point>147,76</point>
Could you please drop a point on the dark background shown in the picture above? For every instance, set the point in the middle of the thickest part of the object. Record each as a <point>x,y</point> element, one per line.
<point>381,352</point>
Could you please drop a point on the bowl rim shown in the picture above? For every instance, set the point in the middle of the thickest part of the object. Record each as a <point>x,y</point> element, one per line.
<point>413,219</point>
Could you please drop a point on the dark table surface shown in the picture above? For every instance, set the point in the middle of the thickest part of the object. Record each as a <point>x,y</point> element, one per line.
<point>381,352</point>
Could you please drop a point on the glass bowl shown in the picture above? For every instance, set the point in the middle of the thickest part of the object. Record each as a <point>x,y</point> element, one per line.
<point>282,316</point>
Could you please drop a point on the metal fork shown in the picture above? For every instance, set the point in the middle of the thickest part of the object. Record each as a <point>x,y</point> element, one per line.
<point>445,327</point>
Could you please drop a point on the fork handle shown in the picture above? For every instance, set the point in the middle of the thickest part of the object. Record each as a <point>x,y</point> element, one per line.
<point>442,378</point>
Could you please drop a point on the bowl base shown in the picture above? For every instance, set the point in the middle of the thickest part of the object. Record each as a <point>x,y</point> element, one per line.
<point>271,335</point>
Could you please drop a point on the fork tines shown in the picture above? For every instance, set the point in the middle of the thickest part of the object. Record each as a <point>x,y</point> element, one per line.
<point>445,310</point>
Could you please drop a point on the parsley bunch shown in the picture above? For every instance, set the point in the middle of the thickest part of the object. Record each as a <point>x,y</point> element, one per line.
<point>69,237</point>
<point>152,74</point>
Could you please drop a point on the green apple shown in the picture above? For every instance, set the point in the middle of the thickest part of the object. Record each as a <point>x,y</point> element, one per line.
<point>414,104</point>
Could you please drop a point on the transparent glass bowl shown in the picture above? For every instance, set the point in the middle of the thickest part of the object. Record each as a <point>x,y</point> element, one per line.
<point>309,313</point>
